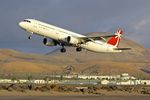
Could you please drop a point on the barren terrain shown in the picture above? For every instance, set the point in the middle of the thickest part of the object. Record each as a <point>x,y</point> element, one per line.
<point>136,61</point>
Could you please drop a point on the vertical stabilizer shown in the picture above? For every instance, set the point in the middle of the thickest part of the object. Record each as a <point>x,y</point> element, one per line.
<point>115,40</point>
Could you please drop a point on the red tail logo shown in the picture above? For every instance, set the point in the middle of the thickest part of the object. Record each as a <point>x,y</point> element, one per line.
<point>114,40</point>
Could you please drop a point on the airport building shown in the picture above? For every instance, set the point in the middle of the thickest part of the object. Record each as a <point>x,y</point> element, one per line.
<point>123,79</point>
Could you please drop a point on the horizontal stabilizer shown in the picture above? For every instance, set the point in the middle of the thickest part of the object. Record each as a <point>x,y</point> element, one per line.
<point>122,48</point>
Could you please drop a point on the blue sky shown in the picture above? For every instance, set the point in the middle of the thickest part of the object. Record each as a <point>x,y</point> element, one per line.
<point>81,16</point>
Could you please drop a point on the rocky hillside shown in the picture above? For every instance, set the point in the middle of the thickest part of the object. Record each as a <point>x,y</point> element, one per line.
<point>135,62</point>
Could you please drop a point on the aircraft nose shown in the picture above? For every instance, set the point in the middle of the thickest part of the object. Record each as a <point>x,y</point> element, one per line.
<point>21,24</point>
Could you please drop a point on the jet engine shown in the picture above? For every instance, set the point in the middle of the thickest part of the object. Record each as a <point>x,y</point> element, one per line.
<point>49,42</point>
<point>72,40</point>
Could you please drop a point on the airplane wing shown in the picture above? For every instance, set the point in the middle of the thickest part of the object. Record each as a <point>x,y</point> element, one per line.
<point>87,39</point>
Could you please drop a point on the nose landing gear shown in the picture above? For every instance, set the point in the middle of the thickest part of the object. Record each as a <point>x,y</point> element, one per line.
<point>30,35</point>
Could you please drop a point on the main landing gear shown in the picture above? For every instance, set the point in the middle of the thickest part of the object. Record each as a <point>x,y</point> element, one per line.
<point>63,50</point>
<point>78,49</point>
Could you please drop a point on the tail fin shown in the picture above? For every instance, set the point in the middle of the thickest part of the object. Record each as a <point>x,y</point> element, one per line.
<point>115,40</point>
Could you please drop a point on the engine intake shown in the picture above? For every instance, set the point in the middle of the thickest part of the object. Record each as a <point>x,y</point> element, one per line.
<point>49,42</point>
<point>72,40</point>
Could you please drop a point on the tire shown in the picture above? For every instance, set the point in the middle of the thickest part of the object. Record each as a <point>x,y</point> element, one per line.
<point>78,49</point>
<point>63,50</point>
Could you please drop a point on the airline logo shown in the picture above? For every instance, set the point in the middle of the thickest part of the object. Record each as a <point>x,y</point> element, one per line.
<point>114,40</point>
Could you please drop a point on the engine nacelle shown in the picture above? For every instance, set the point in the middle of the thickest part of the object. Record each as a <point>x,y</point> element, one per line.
<point>49,42</point>
<point>72,40</point>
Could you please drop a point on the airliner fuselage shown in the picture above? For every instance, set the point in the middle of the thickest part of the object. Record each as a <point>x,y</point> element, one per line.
<point>63,37</point>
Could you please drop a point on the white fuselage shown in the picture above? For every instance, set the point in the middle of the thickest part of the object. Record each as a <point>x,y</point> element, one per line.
<point>56,33</point>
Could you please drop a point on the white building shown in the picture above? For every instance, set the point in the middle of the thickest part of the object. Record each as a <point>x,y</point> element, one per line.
<point>126,82</point>
<point>23,81</point>
<point>104,82</point>
<point>126,76</point>
<point>142,82</point>
<point>5,81</point>
<point>38,81</point>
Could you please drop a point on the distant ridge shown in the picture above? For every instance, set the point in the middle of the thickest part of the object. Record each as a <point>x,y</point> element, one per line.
<point>135,62</point>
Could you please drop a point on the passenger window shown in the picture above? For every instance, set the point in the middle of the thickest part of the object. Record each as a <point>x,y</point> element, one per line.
<point>27,21</point>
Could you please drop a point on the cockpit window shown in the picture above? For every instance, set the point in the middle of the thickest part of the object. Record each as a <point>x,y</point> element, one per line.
<point>27,21</point>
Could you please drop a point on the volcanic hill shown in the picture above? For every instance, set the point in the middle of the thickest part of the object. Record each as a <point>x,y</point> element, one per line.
<point>136,61</point>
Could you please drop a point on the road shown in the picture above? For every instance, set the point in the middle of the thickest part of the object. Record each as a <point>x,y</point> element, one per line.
<point>75,98</point>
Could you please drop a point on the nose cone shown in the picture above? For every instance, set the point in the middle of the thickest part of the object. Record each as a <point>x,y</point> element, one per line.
<point>21,24</point>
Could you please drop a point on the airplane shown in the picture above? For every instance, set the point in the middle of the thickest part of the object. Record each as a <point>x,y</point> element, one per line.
<point>54,36</point>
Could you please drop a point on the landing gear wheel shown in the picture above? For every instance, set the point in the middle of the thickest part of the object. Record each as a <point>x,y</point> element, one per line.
<point>78,49</point>
<point>29,37</point>
<point>63,50</point>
